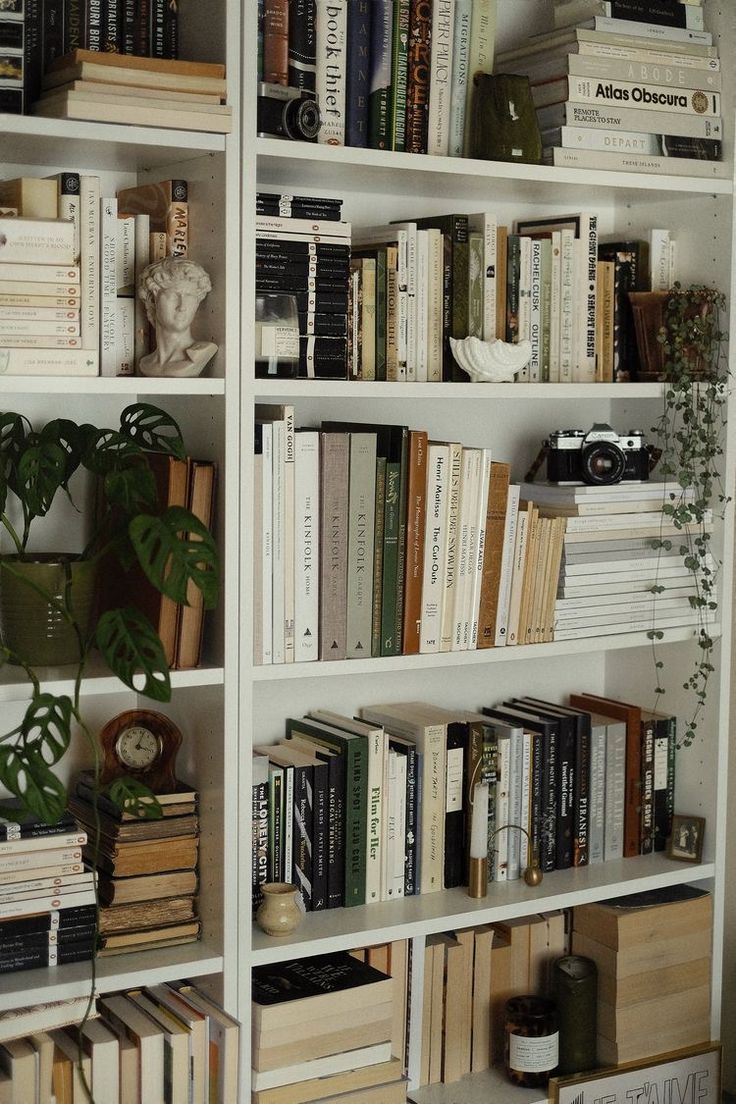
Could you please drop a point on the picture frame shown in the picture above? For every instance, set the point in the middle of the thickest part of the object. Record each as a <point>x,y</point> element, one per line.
<point>686,841</point>
<point>695,1068</point>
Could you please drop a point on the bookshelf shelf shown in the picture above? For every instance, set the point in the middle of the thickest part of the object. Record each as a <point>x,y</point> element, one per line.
<point>14,687</point>
<point>343,168</point>
<point>117,972</point>
<point>482,657</point>
<point>342,929</point>
<point>31,140</point>
<point>120,385</point>
<point>478,1088</point>
<point>471,392</point>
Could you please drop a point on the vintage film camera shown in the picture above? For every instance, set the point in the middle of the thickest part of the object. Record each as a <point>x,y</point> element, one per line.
<point>600,456</point>
<point>285,112</point>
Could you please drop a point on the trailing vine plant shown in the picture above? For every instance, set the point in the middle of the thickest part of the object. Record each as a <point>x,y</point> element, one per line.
<point>690,432</point>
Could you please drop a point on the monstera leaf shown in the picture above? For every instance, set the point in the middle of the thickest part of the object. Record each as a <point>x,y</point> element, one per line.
<point>132,489</point>
<point>108,450</point>
<point>133,797</point>
<point>24,772</point>
<point>152,429</point>
<point>172,550</point>
<point>42,470</point>
<point>47,726</point>
<point>67,436</point>
<point>131,647</point>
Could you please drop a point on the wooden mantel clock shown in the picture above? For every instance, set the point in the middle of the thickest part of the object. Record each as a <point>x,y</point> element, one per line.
<point>141,744</point>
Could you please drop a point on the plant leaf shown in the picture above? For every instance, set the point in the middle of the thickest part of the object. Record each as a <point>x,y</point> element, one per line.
<point>152,429</point>
<point>41,472</point>
<point>108,450</point>
<point>67,436</point>
<point>132,488</point>
<point>131,796</point>
<point>130,647</point>
<point>47,726</point>
<point>170,556</point>
<point>25,774</point>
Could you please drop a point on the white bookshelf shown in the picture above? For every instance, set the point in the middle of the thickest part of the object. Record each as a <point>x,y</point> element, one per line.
<point>204,701</point>
<point>378,187</point>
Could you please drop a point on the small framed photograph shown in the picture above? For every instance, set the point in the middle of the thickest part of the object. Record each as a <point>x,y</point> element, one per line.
<point>686,841</point>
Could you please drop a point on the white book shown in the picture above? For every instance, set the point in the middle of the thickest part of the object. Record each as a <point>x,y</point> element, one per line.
<point>616,521</point>
<point>367,328</point>
<point>659,259</point>
<point>42,843</point>
<point>482,45</point>
<point>477,575</point>
<point>40,327</point>
<point>287,411</point>
<point>597,805</point>
<point>89,260</point>
<point>564,493</point>
<point>68,203</point>
<point>142,235</point>
<point>479,505</point>
<point>500,854</point>
<point>435,282</point>
<point>306,546</point>
<point>672,277</point>
<point>125,255</point>
<point>525,810</point>
<point>567,12</point>
<point>631,598</point>
<point>438,481</point>
<point>555,307</point>
<point>11,275</point>
<point>567,304</point>
<point>648,67</point>
<point>626,564</point>
<point>398,851</point>
<point>642,625</point>
<point>545,308</point>
<point>411,297</point>
<point>639,120</point>
<point>29,860</point>
<point>575,38</point>
<point>361,526</point>
<point>626,141</point>
<point>102,1046</point>
<point>315,230</point>
<point>613,832</point>
<point>422,307</point>
<point>125,336</point>
<point>616,161</point>
<point>196,1025</point>
<point>653,31</point>
<point>258,559</point>
<point>39,314</point>
<point>440,77</point>
<point>108,287</point>
<point>278,540</point>
<point>655,606</point>
<point>467,514</point>
<point>176,1049</point>
<point>525,302</point>
<point>460,76</point>
<point>321,1067</point>
<point>47,903</point>
<point>452,547</point>
<point>36,242</point>
<point>266,539</point>
<point>126,1019</point>
<point>507,566</point>
<point>517,576</point>
<point>586,261</point>
<point>331,35</point>
<point>534,367</point>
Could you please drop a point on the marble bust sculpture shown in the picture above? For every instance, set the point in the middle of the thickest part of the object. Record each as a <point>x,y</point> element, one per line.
<point>172,290</point>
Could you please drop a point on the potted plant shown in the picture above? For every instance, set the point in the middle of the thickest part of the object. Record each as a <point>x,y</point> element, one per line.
<point>691,431</point>
<point>170,545</point>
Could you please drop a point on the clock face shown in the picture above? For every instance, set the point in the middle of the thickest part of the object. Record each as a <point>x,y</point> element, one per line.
<point>137,747</point>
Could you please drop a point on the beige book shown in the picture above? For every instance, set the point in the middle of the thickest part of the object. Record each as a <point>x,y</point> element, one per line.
<point>456,1058</point>
<point>557,547</point>
<point>64,1043</point>
<point>652,1042</point>
<point>332,1086</point>
<point>322,1026</point>
<point>646,957</point>
<point>622,928</point>
<point>668,1013</point>
<point>547,941</point>
<point>290,1051</point>
<point>605,294</point>
<point>68,107</point>
<point>103,74</point>
<point>429,953</point>
<point>32,196</point>
<point>502,987</point>
<point>437,1019</point>
<point>44,1046</point>
<point>516,932</point>
<point>201,502</point>
<point>111,95</point>
<point>392,1093</point>
<point>530,566</point>
<point>667,981</point>
<point>127,1020</point>
<point>176,1047</point>
<point>130,1072</point>
<point>481,1027</point>
<point>97,88</point>
<point>399,971</point>
<point>18,1061</point>
<point>540,581</point>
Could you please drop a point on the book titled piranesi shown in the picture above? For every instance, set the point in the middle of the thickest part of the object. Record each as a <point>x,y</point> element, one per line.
<point>36,241</point>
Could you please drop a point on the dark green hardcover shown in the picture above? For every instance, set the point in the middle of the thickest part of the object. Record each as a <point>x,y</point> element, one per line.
<point>381,315</point>
<point>513,257</point>
<point>355,750</point>
<point>399,71</point>
<point>456,226</point>
<point>378,555</point>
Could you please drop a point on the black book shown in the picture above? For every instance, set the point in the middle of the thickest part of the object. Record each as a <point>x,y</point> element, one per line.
<point>281,982</point>
<point>701,149</point>
<point>53,31</point>
<point>545,818</point>
<point>455,810</point>
<point>569,818</point>
<point>111,30</point>
<point>648,737</point>
<point>303,284</point>
<point>303,44</point>
<point>316,214</point>
<point>37,957</point>
<point>322,302</point>
<point>46,921</point>
<point>286,198</point>
<point>259,821</point>
<point>32,53</point>
<point>93,26</point>
<point>26,825</point>
<point>18,944</point>
<point>127,26</point>
<point>631,273</point>
<point>323,325</point>
<point>74,25</point>
<point>158,33</point>
<point>334,850</point>
<point>322,357</point>
<point>413,774</point>
<point>309,822</point>
<point>326,268</point>
<point>271,247</point>
<point>142,28</point>
<point>171,31</point>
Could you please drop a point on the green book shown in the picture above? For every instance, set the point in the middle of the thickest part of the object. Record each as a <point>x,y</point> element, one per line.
<point>355,750</point>
<point>381,276</point>
<point>475,285</point>
<point>513,257</point>
<point>456,228</point>
<point>378,555</point>
<point>399,70</point>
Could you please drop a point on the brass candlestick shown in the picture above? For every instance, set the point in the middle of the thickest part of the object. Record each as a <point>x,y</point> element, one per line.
<point>532,873</point>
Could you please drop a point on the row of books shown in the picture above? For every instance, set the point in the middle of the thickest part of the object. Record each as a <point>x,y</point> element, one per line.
<point>146,868</point>
<point>625,85</point>
<point>165,1044</point>
<point>303,250</point>
<point>332,1026</point>
<point>388,74</point>
<point>68,248</point>
<point>183,95</point>
<point>360,811</point>
<point>34,35</point>
<point>417,284</point>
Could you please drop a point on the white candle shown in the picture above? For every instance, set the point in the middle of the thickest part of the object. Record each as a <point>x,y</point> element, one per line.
<point>479,822</point>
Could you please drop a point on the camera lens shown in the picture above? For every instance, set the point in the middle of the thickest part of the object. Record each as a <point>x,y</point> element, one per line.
<point>602,463</point>
<point>301,119</point>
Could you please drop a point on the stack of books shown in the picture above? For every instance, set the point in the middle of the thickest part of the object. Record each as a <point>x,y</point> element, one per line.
<point>47,896</point>
<point>110,88</point>
<point>303,249</point>
<point>171,1039</point>
<point>322,1026</point>
<point>626,85</point>
<point>653,954</point>
<point>353,811</point>
<point>614,555</point>
<point>147,869</point>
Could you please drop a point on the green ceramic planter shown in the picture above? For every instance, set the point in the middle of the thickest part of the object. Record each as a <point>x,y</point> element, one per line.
<point>31,626</point>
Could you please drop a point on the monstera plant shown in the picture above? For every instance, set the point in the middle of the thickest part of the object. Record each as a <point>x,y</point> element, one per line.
<point>129,529</point>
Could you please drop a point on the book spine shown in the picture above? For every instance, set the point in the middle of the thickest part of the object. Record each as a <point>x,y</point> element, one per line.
<point>73,26</point>
<point>664,14</point>
<point>469,481</point>
<point>534,368</point>
<point>380,322</point>
<point>368,320</point>
<point>513,261</point>
<point>331,58</point>
<point>632,806</point>
<point>440,80</point>
<point>127,27</point>
<point>278,537</point>
<point>585,304</point>
<point>260,841</point>
<point>649,97</point>
<point>517,577</point>
<point>635,67</point>
<point>413,769</point>
<point>320,845</point>
<point>613,835</point>
<point>378,539</point>
<point>289,547</point>
<point>358,73</point>
<point>434,567</point>
<point>415,530</point>
<point>111,39</point>
<point>265,433</point>
<point>399,74</point>
<point>479,549</point>
<point>460,276</point>
<point>108,287</point>
<point>628,120</point>
<point>567,310</point>
<point>336,821</point>
<point>376,812</point>
<point>288,832</point>
<point>390,559</point>
<point>53,31</point>
<point>32,53</point>
<point>475,296</point>
<point>498,846</point>
<point>93,27</point>
<point>454,860</point>
<point>648,727</point>
<point>451,537</point>
<point>306,547</point>
<point>402,549</point>
<point>546,309</point>
<point>550,783</point>
<point>361,523</point>
<point>581,795</point>
<point>171,30</point>
<point>69,205</point>
<point>124,337</point>
<point>459,84</point>
<point>566,783</point>
<point>356,821</point>
<point>158,35</point>
<point>422,305</point>
<point>379,97</point>
<point>419,67</point>
<point>655,31</point>
<point>177,229</point>
<point>275,41</point>
<point>142,29</point>
<point>507,563</point>
<point>333,545</point>
<point>302,833</point>
<point>494,553</point>
<point>482,43</point>
<point>597,792</point>
<point>142,232</point>
<point>435,335</point>
<point>302,57</point>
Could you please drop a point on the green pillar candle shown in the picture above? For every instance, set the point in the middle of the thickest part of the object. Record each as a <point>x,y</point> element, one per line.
<point>575,991</point>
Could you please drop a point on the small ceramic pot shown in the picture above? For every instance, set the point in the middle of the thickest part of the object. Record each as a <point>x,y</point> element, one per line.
<point>31,623</point>
<point>279,912</point>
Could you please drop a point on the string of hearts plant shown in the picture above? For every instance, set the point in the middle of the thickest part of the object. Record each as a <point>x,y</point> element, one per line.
<point>690,431</point>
